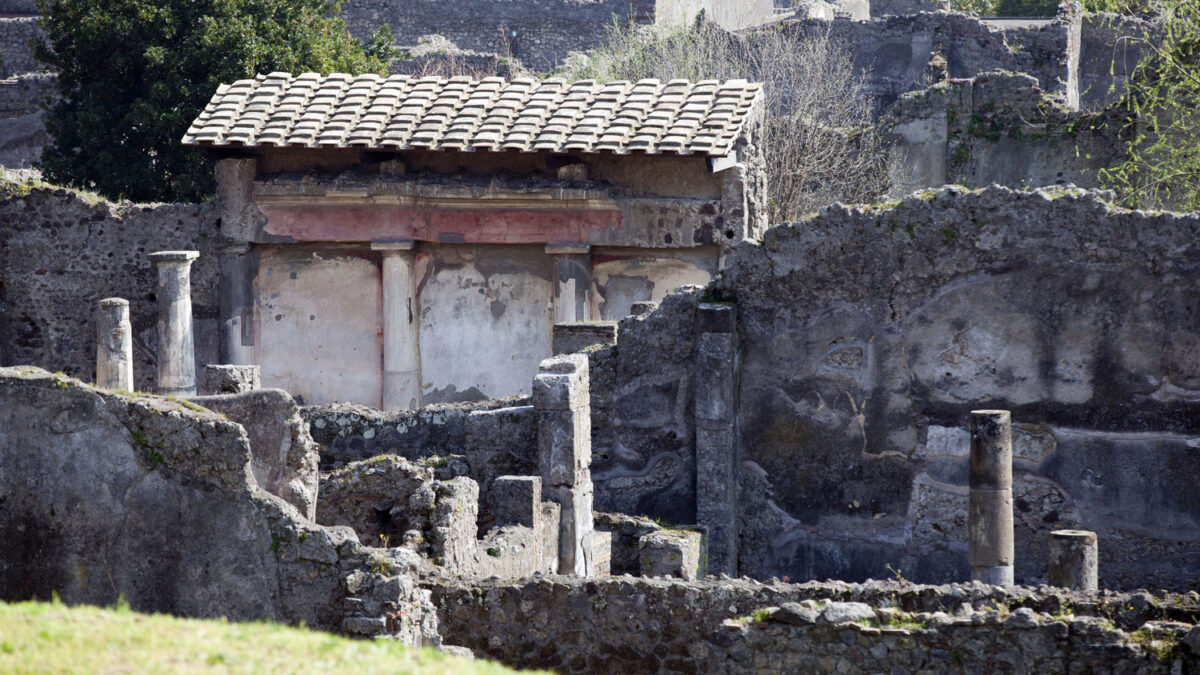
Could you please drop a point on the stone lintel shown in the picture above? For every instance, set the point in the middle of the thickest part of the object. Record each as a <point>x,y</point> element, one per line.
<point>568,249</point>
<point>398,245</point>
<point>173,256</point>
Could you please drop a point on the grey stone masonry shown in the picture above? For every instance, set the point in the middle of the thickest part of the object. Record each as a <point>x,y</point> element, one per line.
<point>176,348</point>
<point>672,553</point>
<point>990,517</point>
<point>560,397</point>
<point>573,336</point>
<point>114,345</point>
<point>716,434</point>
<point>516,500</point>
<point>227,379</point>
<point>1074,560</point>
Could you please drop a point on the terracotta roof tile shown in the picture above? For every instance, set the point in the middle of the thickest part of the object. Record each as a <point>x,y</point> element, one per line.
<point>402,112</point>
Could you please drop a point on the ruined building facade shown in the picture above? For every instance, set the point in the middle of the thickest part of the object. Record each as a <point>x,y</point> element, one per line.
<point>399,241</point>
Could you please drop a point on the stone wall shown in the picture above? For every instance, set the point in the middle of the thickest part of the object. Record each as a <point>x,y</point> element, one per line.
<point>540,32</point>
<point>894,53</point>
<point>860,362</point>
<point>653,625</point>
<point>492,438</point>
<point>999,128</point>
<point>15,55</point>
<point>22,121</point>
<point>63,250</point>
<point>108,495</point>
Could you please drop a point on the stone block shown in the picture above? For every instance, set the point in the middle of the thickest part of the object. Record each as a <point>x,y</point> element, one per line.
<point>672,553</point>
<point>516,500</point>
<point>601,563</point>
<point>564,447</point>
<point>283,456</point>
<point>574,336</point>
<point>560,392</point>
<point>228,379</point>
<point>716,318</point>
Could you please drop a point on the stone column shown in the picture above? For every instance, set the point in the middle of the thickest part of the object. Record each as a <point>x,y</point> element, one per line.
<point>401,327</point>
<point>717,459</point>
<point>237,306</point>
<point>990,517</point>
<point>176,349</point>
<point>572,276</point>
<point>1074,560</point>
<point>114,345</point>
<point>561,399</point>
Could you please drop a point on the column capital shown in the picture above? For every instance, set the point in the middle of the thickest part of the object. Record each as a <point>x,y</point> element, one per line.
<point>568,249</point>
<point>173,256</point>
<point>397,246</point>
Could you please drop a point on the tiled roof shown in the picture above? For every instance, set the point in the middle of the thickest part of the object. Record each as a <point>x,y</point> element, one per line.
<point>431,113</point>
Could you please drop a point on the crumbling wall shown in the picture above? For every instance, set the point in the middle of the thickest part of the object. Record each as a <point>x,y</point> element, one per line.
<point>653,625</point>
<point>15,55</point>
<point>866,336</point>
<point>895,53</point>
<point>1000,128</point>
<point>540,32</point>
<point>109,495</point>
<point>283,456</point>
<point>22,120</point>
<point>63,250</point>
<point>869,333</point>
<point>643,434</point>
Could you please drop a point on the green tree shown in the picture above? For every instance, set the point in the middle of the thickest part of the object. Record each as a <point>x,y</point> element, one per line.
<point>133,74</point>
<point>1162,164</point>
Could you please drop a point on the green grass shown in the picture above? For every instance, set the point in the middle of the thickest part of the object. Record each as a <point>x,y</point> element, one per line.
<point>55,638</point>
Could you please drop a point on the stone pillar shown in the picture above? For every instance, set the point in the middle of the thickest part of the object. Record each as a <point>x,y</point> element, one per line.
<point>240,218</point>
<point>990,516</point>
<point>717,459</point>
<point>237,306</point>
<point>572,276</point>
<point>560,397</point>
<point>1074,560</point>
<point>401,327</point>
<point>114,345</point>
<point>176,349</point>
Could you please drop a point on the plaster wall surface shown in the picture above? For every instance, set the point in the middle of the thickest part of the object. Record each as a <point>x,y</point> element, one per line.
<point>318,324</point>
<point>486,320</point>
<point>621,277</point>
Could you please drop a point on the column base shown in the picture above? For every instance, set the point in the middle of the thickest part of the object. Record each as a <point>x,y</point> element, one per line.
<point>1001,575</point>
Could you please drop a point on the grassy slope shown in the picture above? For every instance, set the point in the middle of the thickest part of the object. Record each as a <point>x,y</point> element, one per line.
<point>51,637</point>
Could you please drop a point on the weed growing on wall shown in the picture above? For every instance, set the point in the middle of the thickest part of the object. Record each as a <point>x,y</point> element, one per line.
<point>1162,165</point>
<point>820,142</point>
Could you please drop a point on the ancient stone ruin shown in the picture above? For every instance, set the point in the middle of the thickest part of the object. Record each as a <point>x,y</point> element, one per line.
<point>518,368</point>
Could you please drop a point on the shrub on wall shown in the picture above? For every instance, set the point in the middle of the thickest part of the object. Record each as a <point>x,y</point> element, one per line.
<point>820,142</point>
<point>1162,168</point>
<point>134,73</point>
